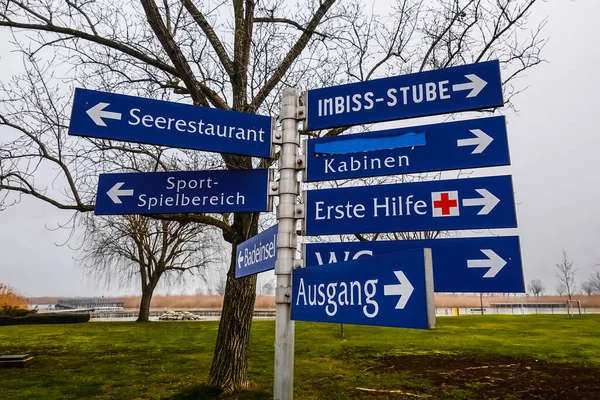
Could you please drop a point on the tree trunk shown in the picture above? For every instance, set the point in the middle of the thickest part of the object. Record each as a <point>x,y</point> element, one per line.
<point>229,369</point>
<point>147,291</point>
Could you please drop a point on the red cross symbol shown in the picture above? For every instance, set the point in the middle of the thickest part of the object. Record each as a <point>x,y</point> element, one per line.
<point>445,203</point>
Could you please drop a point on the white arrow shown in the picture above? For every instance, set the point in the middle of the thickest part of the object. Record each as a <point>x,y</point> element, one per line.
<point>482,141</point>
<point>115,192</point>
<point>404,289</point>
<point>97,112</point>
<point>488,201</point>
<point>494,262</point>
<point>240,260</point>
<point>475,85</point>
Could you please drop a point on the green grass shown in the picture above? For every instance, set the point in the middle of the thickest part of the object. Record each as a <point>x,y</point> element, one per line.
<point>171,360</point>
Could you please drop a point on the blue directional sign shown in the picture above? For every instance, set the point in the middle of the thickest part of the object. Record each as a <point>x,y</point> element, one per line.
<point>389,290</point>
<point>455,145</point>
<point>183,192</point>
<point>475,203</point>
<point>468,87</point>
<point>140,120</point>
<point>257,254</point>
<point>468,265</point>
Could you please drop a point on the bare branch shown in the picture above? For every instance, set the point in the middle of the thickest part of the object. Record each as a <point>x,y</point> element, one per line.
<point>95,39</point>
<point>210,35</point>
<point>32,192</point>
<point>456,15</point>
<point>196,218</point>
<point>174,52</point>
<point>274,20</point>
<point>292,55</point>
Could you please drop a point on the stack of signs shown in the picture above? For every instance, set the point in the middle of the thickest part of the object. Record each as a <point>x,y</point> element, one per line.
<point>134,119</point>
<point>458,265</point>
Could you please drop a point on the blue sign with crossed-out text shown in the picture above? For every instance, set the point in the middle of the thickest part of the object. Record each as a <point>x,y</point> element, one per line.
<point>257,254</point>
<point>135,119</point>
<point>475,203</point>
<point>455,145</point>
<point>468,265</point>
<point>388,290</point>
<point>463,88</point>
<point>244,190</point>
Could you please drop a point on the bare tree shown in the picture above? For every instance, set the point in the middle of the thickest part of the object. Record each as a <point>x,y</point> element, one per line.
<point>565,273</point>
<point>269,288</point>
<point>536,287</point>
<point>266,287</point>
<point>587,287</point>
<point>207,54</point>
<point>137,248</point>
<point>561,289</point>
<point>594,281</point>
<point>219,284</point>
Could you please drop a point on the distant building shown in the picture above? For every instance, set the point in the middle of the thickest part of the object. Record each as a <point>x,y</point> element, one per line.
<point>529,305</point>
<point>97,303</point>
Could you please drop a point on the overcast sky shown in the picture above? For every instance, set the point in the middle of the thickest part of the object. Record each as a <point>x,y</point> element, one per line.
<point>553,142</point>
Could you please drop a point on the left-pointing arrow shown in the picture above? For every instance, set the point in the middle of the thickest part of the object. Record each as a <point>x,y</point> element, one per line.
<point>97,114</point>
<point>115,192</point>
<point>494,262</point>
<point>240,260</point>
<point>488,201</point>
<point>482,141</point>
<point>404,289</point>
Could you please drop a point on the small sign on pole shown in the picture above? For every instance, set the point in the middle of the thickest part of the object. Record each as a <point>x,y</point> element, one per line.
<point>257,254</point>
<point>244,190</point>
<point>467,265</point>
<point>475,203</point>
<point>472,143</point>
<point>441,91</point>
<point>136,119</point>
<point>394,289</point>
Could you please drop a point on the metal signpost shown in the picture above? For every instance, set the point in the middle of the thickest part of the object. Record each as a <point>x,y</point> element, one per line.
<point>140,120</point>
<point>287,214</point>
<point>395,289</point>
<point>468,87</point>
<point>183,192</point>
<point>475,203</point>
<point>472,143</point>
<point>471,265</point>
<point>370,283</point>
<point>358,289</point>
<point>257,254</point>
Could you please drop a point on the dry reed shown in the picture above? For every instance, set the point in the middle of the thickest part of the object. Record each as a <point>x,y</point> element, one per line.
<point>457,300</point>
<point>10,296</point>
<point>201,301</point>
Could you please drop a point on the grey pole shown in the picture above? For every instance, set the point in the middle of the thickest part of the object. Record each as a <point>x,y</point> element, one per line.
<point>287,213</point>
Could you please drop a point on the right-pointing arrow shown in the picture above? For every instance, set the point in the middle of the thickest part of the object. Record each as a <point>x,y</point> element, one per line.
<point>488,201</point>
<point>482,141</point>
<point>97,112</point>
<point>115,192</point>
<point>475,85</point>
<point>494,262</point>
<point>404,289</point>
